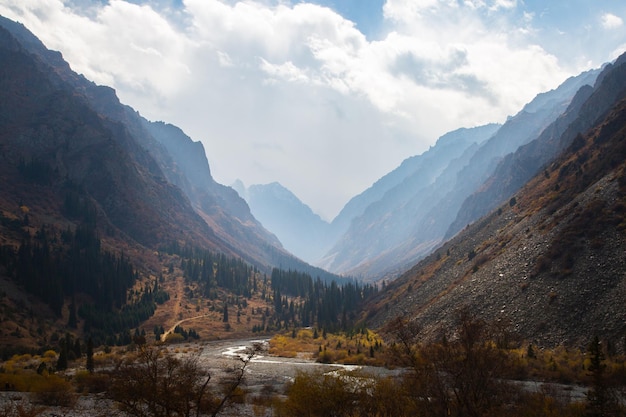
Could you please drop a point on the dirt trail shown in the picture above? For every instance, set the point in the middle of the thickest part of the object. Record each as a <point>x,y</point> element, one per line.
<point>171,329</point>
<point>180,295</point>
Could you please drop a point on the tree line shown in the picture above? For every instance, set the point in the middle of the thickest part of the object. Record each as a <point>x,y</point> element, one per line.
<point>216,270</point>
<point>328,305</point>
<point>56,265</point>
<point>53,265</point>
<point>295,299</point>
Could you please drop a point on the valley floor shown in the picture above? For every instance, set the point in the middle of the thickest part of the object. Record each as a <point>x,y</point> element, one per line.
<point>266,376</point>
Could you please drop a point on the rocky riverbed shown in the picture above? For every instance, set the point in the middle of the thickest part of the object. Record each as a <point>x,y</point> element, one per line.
<point>265,376</point>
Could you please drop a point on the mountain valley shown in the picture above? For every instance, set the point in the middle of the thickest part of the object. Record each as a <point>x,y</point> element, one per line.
<point>104,212</point>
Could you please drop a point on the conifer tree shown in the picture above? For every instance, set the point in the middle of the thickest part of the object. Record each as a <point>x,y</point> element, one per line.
<point>90,364</point>
<point>600,402</point>
<point>72,321</point>
<point>77,348</point>
<point>62,361</point>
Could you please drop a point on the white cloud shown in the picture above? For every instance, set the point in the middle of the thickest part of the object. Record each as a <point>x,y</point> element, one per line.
<point>294,92</point>
<point>610,21</point>
<point>503,4</point>
<point>224,59</point>
<point>287,71</point>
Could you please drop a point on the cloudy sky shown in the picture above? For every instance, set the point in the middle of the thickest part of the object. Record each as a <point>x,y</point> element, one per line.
<point>325,96</point>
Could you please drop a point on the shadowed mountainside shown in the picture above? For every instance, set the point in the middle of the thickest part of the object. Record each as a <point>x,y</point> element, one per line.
<point>151,184</point>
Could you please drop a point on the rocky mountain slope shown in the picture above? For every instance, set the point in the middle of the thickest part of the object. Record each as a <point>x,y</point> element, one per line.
<point>404,220</point>
<point>550,260</point>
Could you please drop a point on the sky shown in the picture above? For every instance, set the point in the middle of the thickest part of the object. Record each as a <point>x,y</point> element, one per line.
<point>325,96</point>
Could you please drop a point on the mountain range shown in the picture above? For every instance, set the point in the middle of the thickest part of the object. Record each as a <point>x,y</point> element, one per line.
<point>298,228</point>
<point>430,197</point>
<point>522,222</point>
<point>524,225</point>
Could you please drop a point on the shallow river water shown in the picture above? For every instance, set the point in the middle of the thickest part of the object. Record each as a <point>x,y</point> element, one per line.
<point>265,371</point>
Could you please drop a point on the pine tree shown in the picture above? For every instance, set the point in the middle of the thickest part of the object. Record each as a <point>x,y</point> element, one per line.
<point>225,320</point>
<point>77,348</point>
<point>72,321</point>
<point>62,361</point>
<point>599,400</point>
<point>90,364</point>
<point>531,352</point>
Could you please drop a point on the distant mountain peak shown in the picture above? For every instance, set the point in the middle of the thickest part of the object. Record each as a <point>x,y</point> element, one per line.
<point>241,189</point>
<point>279,192</point>
<point>300,230</point>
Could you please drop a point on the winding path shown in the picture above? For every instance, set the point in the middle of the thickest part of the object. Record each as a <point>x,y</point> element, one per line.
<point>178,323</point>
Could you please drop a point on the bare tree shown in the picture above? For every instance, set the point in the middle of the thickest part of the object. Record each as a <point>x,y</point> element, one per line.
<point>461,375</point>
<point>405,336</point>
<point>156,383</point>
<point>237,376</point>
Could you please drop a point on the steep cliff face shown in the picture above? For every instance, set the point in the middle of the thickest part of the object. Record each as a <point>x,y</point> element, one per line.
<point>221,207</point>
<point>53,140</point>
<point>550,260</point>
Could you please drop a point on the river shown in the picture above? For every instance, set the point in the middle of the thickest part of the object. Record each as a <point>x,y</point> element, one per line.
<point>267,373</point>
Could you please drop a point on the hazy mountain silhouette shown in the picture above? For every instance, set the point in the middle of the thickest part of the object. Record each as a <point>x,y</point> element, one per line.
<point>403,217</point>
<point>299,229</point>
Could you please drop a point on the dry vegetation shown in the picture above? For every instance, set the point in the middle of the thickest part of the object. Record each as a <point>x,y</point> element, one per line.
<point>190,309</point>
<point>360,347</point>
<point>475,371</point>
<point>127,378</point>
<point>478,371</point>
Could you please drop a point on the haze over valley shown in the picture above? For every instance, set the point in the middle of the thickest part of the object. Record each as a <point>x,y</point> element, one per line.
<point>324,97</point>
<point>193,184</point>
